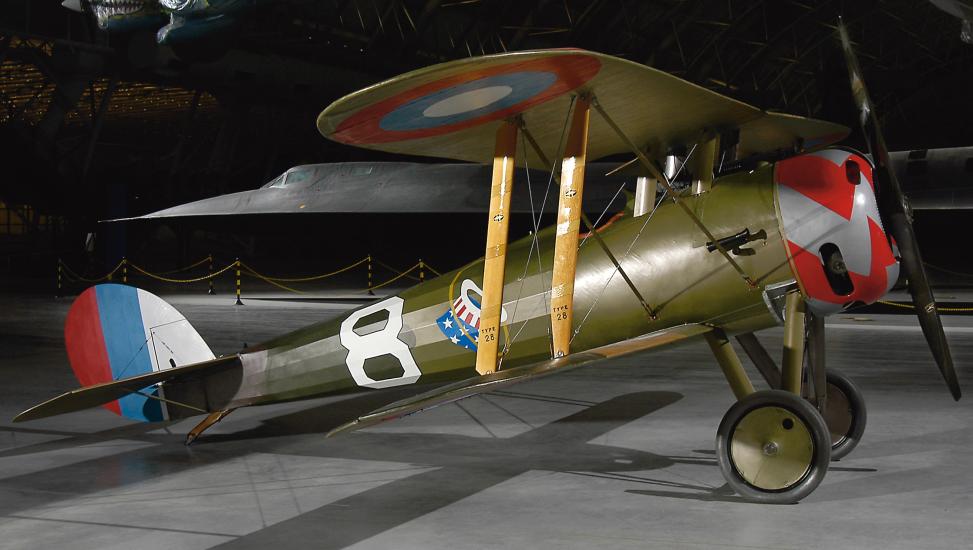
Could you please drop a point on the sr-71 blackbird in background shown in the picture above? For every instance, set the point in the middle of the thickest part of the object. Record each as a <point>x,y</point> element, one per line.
<point>933,179</point>
<point>807,231</point>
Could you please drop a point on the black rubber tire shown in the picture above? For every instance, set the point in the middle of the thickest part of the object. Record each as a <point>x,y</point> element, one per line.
<point>816,427</point>
<point>837,381</point>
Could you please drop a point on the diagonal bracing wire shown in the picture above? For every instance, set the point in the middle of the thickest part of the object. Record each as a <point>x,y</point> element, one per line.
<point>614,271</point>
<point>536,220</point>
<point>631,245</point>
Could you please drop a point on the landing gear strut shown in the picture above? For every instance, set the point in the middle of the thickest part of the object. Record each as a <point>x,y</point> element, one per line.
<point>774,446</point>
<point>840,400</point>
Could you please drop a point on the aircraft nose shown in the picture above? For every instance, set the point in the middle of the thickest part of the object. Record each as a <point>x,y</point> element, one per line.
<point>838,249</point>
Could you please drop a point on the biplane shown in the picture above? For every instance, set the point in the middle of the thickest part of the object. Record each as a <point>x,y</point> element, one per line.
<point>797,230</point>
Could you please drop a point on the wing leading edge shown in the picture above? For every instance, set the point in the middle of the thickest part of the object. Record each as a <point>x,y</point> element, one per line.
<point>99,394</point>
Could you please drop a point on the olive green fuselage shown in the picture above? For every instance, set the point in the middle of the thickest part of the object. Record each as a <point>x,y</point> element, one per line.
<point>663,253</point>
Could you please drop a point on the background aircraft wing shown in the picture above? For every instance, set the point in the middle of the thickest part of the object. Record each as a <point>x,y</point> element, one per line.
<point>397,187</point>
<point>452,110</point>
<point>507,377</point>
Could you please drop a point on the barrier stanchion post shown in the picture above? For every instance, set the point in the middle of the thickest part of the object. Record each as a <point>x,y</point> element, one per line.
<point>422,271</point>
<point>125,270</point>
<point>238,301</point>
<point>59,287</point>
<point>212,289</point>
<point>370,275</point>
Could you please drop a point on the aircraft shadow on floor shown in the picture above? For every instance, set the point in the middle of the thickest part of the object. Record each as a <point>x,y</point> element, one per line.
<point>462,465</point>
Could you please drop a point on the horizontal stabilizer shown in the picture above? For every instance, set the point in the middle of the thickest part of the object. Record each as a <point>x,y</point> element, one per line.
<point>501,379</point>
<point>99,394</point>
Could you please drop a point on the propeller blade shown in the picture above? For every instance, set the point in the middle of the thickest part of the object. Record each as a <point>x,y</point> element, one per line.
<point>897,217</point>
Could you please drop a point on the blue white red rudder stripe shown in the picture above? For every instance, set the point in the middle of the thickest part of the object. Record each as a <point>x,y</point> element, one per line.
<point>117,331</point>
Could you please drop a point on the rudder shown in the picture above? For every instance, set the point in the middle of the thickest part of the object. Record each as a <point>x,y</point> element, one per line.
<point>117,331</point>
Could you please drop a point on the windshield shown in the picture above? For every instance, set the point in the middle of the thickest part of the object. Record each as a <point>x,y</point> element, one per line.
<point>295,175</point>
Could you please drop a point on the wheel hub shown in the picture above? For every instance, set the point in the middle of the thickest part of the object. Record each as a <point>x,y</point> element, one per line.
<point>772,449</point>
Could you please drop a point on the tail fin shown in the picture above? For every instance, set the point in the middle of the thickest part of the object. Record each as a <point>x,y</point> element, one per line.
<point>117,331</point>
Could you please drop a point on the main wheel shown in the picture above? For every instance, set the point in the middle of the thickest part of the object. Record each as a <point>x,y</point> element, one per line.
<point>844,413</point>
<point>773,447</point>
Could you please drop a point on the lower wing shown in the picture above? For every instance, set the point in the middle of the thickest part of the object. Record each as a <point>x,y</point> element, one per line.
<point>501,379</point>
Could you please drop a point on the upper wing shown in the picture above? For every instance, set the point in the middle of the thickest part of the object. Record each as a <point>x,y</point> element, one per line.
<point>452,110</point>
<point>501,379</point>
<point>99,394</point>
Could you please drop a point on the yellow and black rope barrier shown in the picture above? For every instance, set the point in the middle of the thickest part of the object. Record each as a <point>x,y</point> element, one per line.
<point>272,280</point>
<point>370,274</point>
<point>70,274</point>
<point>182,281</point>
<point>189,267</point>
<point>313,277</point>
<point>209,268</point>
<point>396,278</point>
<point>240,268</point>
<point>236,264</point>
<point>944,309</point>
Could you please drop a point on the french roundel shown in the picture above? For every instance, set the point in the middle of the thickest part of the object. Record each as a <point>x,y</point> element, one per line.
<point>467,99</point>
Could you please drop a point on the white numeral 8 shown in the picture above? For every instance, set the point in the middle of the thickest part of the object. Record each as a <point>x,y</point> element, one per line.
<point>377,344</point>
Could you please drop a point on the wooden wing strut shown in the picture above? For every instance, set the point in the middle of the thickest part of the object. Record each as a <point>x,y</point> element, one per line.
<point>495,257</point>
<point>568,224</point>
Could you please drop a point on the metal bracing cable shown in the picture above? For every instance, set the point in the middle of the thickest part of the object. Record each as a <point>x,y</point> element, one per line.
<point>601,243</point>
<point>536,220</point>
<point>665,181</point>
<point>631,245</point>
<point>602,215</point>
<point>530,252</point>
